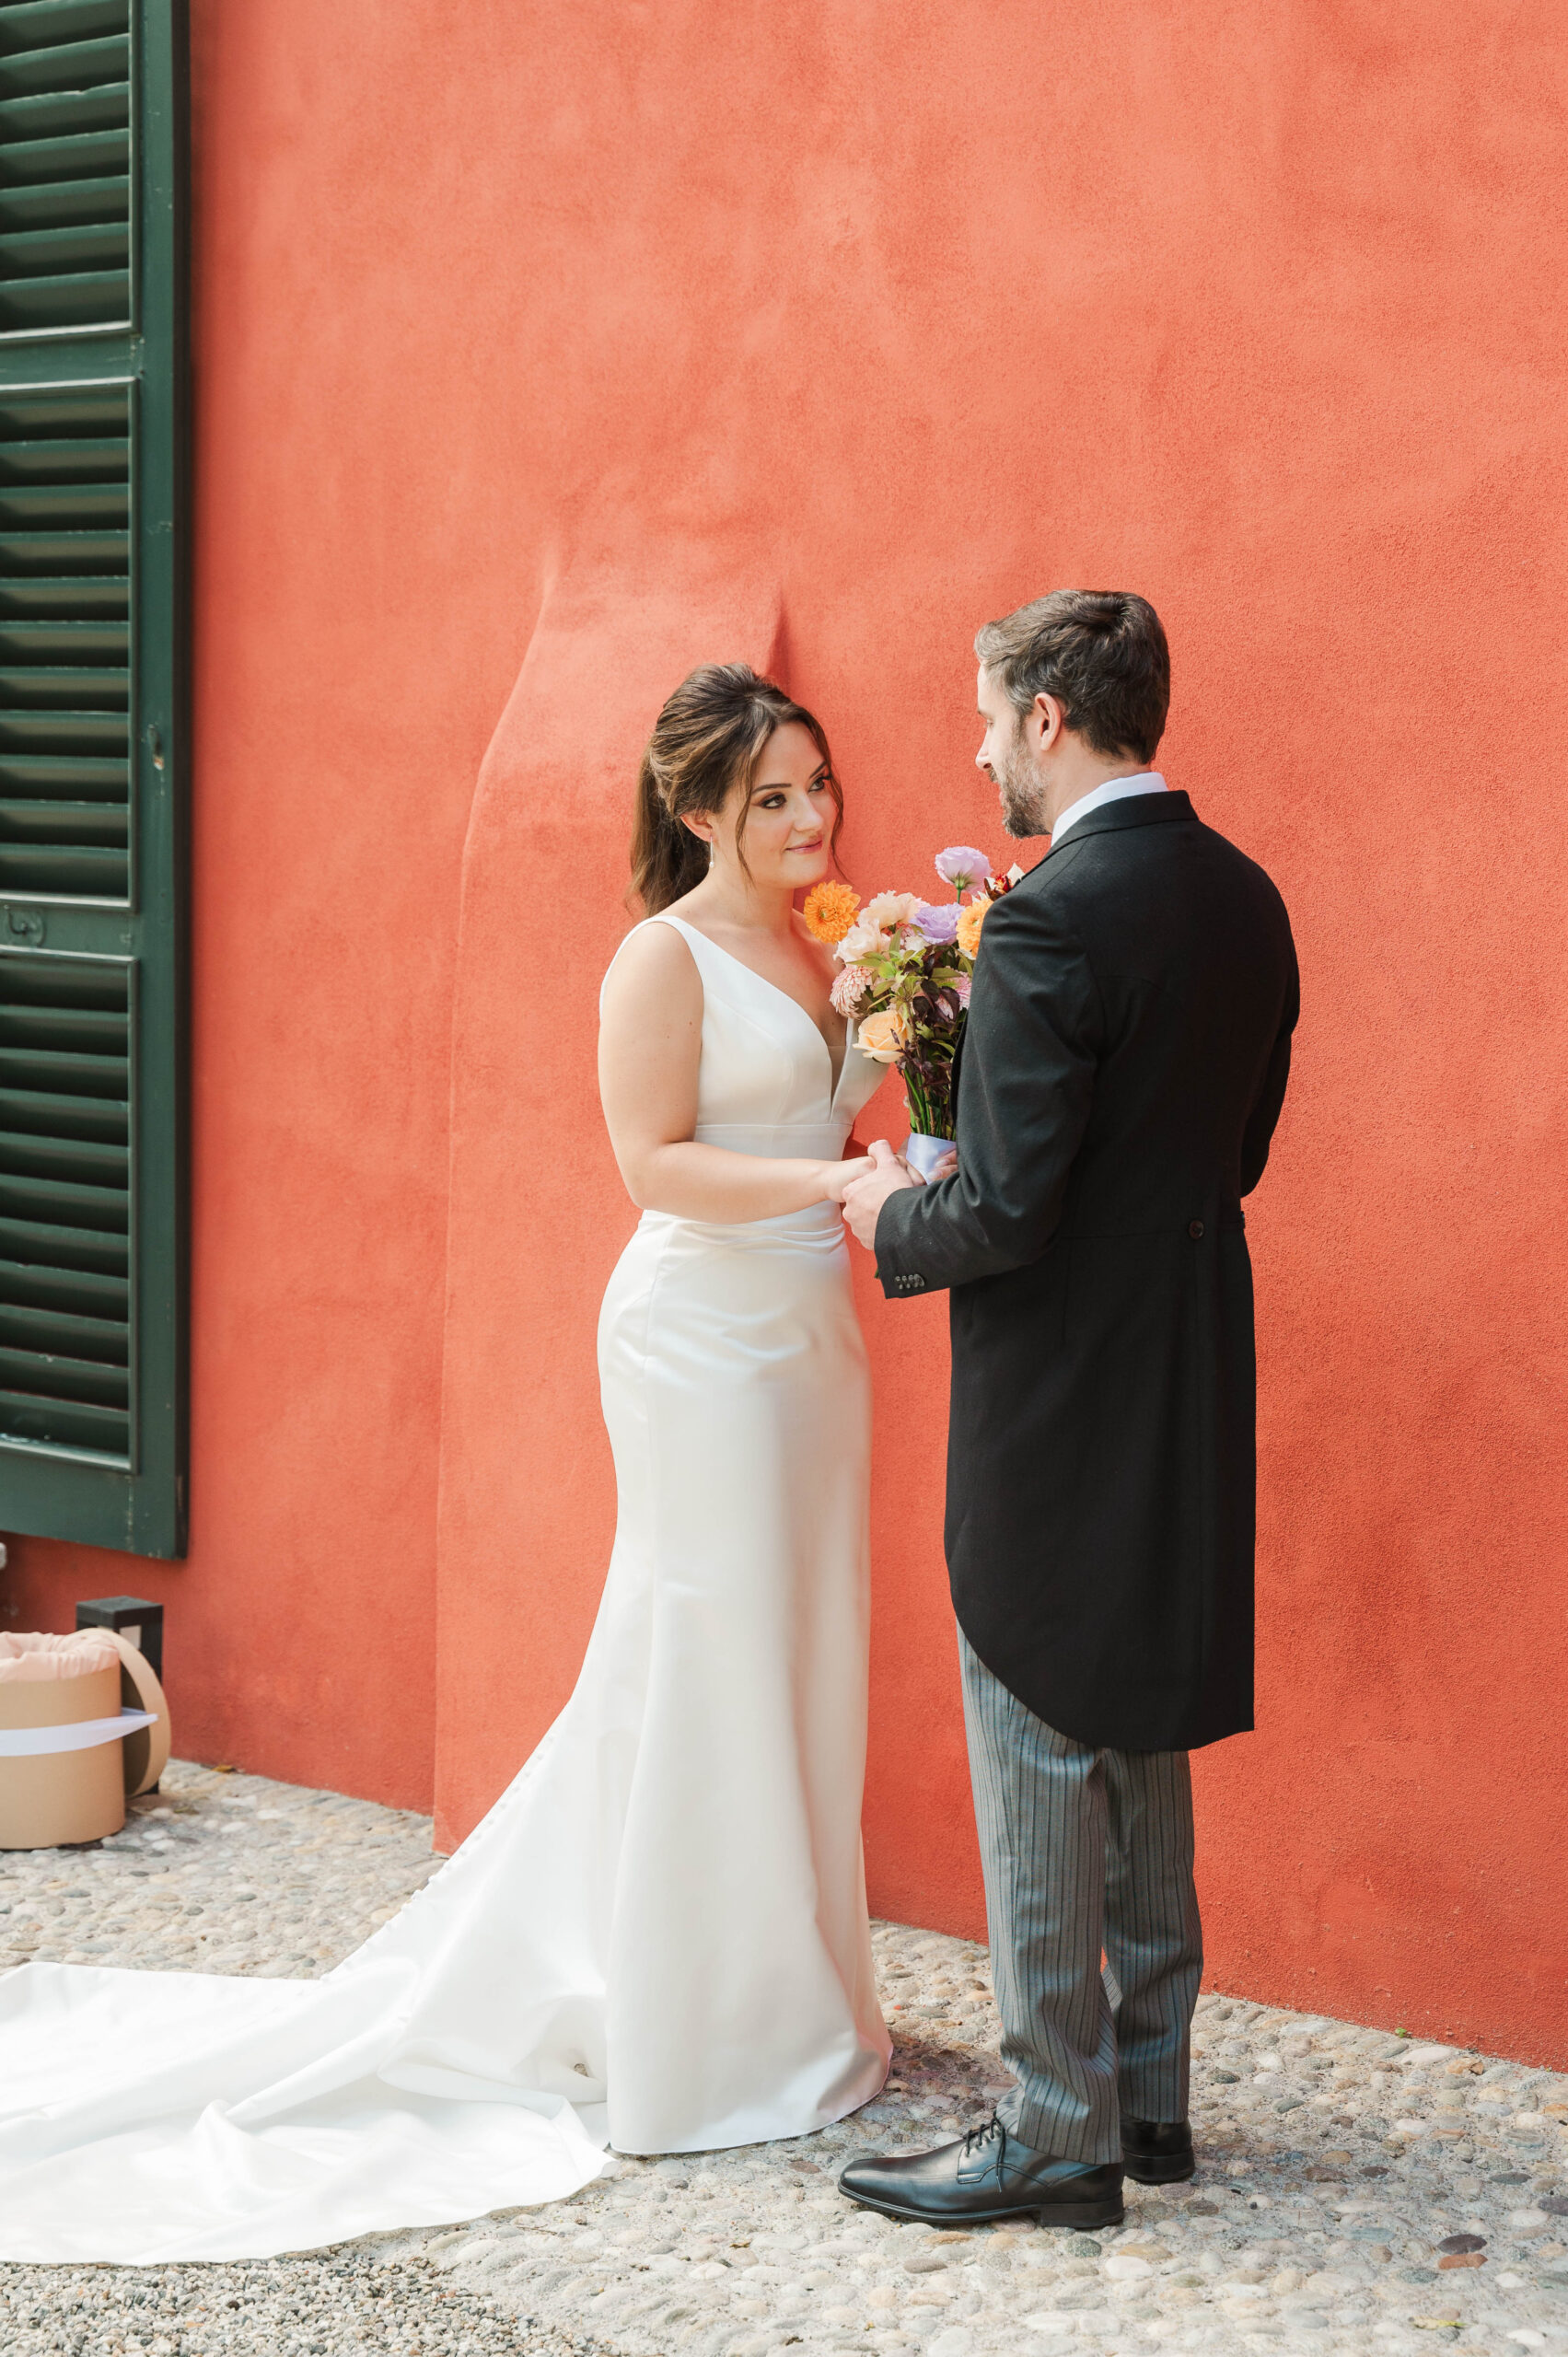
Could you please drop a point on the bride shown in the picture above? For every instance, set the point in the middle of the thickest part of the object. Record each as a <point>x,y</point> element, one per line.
<point>658,1938</point>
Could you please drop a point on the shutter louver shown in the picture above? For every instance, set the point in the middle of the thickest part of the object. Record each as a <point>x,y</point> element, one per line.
<point>64,1203</point>
<point>65,644</point>
<point>92,738</point>
<point>64,165</point>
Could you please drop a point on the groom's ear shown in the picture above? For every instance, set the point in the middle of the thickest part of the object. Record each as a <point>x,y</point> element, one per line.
<point>1048,716</point>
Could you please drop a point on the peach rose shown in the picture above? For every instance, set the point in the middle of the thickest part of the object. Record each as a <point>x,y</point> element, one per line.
<point>889,909</point>
<point>885,1035</point>
<point>862,940</point>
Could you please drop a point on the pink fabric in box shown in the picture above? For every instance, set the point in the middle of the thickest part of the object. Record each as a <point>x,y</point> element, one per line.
<point>32,1660</point>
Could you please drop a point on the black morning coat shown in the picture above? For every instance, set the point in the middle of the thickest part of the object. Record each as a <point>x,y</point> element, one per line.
<point>1120,1077</point>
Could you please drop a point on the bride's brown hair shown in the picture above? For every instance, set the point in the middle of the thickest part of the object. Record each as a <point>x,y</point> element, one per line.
<point>710,736</point>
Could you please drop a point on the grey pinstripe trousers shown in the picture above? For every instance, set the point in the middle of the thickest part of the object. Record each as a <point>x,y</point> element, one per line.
<point>1084,1850</point>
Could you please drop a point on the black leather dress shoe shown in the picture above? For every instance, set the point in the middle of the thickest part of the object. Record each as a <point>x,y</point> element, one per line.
<point>1156,2152</point>
<point>987,2175</point>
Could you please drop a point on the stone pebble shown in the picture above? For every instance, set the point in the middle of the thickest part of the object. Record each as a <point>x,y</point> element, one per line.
<point>276,2307</point>
<point>1336,2163</point>
<point>218,1872</point>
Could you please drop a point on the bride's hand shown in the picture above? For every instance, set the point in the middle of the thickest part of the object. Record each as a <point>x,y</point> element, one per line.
<point>837,1176</point>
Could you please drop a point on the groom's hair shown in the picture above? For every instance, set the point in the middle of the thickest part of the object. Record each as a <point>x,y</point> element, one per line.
<point>1101,653</point>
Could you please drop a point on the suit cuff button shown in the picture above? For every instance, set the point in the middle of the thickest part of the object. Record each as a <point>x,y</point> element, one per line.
<point>1195,1230</point>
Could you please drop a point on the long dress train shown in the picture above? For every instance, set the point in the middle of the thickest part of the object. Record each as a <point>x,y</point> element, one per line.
<point>657,1937</point>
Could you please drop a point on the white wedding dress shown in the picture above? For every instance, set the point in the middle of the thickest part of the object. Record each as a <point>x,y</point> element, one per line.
<point>658,1938</point>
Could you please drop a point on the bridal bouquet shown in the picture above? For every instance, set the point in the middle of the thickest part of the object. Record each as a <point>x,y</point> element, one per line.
<point>907,965</point>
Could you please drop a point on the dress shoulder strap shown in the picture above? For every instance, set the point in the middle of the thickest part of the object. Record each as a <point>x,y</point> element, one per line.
<point>687,933</point>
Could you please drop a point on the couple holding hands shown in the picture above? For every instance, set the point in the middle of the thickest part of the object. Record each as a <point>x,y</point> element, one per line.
<point>657,1939</point>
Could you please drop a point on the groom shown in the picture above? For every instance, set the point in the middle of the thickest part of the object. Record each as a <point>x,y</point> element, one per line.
<point>1123,1068</point>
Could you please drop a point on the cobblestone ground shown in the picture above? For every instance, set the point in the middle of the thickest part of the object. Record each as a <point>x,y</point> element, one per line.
<point>1358,2192</point>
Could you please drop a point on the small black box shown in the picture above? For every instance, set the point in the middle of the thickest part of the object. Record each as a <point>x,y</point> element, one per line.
<point>132,1617</point>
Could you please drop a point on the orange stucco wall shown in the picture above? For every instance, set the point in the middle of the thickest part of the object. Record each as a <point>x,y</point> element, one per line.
<point>538,350</point>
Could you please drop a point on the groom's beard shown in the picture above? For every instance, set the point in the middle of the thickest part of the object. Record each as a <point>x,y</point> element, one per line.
<point>1022,792</point>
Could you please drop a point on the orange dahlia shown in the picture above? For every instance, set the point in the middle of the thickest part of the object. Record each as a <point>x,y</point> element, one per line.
<point>971,920</point>
<point>829,910</point>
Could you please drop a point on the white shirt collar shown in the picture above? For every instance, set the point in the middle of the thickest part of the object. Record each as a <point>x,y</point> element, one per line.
<point>1115,789</point>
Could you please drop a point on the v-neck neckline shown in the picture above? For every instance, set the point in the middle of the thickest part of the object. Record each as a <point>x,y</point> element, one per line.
<point>836,1082</point>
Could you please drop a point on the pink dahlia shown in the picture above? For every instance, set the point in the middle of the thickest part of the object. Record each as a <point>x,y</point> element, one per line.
<point>850,987</point>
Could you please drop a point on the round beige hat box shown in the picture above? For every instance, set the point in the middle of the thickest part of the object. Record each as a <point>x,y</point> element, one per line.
<point>50,1797</point>
<point>146,1750</point>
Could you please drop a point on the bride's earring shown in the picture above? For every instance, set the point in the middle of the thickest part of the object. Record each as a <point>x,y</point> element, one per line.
<point>710,851</point>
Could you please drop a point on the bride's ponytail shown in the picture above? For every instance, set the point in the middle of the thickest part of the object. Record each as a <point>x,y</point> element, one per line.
<point>667,859</point>
<point>707,740</point>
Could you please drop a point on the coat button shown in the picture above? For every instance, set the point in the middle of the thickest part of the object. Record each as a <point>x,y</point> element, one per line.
<point>1195,1229</point>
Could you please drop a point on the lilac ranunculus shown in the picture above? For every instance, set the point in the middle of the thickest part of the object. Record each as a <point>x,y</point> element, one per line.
<point>939,920</point>
<point>961,865</point>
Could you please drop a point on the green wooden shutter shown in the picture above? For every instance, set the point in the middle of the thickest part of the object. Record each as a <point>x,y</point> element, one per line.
<point>93,736</point>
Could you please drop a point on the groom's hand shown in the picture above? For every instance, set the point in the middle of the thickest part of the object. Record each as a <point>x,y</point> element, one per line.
<point>864,1196</point>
